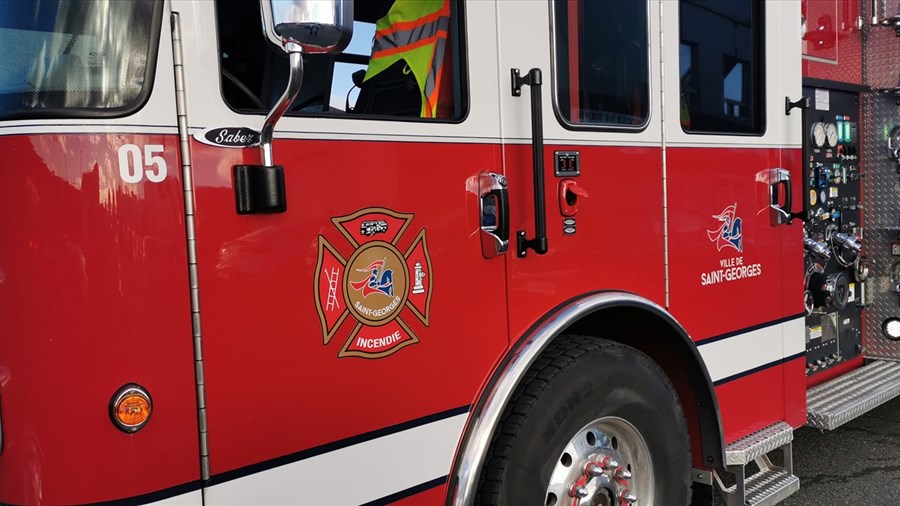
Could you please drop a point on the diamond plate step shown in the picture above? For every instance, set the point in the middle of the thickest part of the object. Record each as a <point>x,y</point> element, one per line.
<point>771,484</point>
<point>836,402</point>
<point>759,443</point>
<point>768,487</point>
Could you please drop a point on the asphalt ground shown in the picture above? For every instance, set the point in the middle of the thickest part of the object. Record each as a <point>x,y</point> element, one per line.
<point>857,464</point>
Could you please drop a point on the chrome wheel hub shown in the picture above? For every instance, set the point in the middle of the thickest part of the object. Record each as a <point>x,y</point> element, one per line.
<point>606,463</point>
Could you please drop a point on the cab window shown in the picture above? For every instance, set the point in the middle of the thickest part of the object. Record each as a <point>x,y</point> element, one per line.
<point>721,66</point>
<point>68,58</point>
<point>404,61</point>
<point>601,63</point>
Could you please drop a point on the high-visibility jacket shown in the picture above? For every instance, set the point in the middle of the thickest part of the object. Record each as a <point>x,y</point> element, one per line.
<point>414,31</point>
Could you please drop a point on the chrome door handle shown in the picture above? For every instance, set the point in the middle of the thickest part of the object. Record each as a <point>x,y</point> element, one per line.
<point>779,215</point>
<point>493,207</point>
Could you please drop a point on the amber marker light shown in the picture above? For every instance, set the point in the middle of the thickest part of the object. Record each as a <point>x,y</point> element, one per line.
<point>130,408</point>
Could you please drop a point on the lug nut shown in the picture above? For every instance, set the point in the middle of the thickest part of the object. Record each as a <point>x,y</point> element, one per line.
<point>593,470</point>
<point>609,463</point>
<point>579,491</point>
<point>629,497</point>
<point>623,473</point>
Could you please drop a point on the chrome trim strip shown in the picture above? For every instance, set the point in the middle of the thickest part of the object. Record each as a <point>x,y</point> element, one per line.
<point>486,415</point>
<point>188,186</point>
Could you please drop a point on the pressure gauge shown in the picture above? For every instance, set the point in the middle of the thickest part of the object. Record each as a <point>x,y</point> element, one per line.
<point>831,135</point>
<point>817,134</point>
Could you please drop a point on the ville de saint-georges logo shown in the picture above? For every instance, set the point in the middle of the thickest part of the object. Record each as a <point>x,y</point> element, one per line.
<point>728,233</point>
<point>374,285</point>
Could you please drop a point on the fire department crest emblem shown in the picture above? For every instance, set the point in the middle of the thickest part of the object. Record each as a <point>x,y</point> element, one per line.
<point>378,286</point>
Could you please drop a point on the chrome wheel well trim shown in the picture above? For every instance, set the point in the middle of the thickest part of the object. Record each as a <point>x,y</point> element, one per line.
<point>486,413</point>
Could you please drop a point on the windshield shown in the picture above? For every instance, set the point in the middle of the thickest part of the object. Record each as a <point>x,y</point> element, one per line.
<point>75,57</point>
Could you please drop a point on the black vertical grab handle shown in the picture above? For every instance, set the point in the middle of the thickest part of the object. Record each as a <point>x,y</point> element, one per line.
<point>803,103</point>
<point>539,243</point>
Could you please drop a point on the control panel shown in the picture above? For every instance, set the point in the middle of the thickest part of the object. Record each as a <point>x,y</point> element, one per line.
<point>835,268</point>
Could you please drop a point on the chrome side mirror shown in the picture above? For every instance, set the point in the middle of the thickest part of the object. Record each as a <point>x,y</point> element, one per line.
<point>297,27</point>
<point>317,26</point>
<point>301,26</point>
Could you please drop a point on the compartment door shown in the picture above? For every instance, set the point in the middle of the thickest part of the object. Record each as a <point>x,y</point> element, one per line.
<point>728,175</point>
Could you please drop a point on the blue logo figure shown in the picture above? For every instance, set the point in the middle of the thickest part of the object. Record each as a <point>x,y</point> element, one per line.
<point>380,280</point>
<point>728,233</point>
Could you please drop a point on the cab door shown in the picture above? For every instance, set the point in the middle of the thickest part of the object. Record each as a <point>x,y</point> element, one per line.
<point>345,339</point>
<point>734,253</point>
<point>600,146</point>
<point>94,298</point>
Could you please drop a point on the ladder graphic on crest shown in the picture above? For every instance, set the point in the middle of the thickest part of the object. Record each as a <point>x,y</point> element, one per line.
<point>331,303</point>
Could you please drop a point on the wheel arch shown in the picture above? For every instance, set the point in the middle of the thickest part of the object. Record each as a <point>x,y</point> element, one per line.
<point>618,316</point>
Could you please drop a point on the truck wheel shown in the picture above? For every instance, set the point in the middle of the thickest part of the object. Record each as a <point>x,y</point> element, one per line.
<point>595,420</point>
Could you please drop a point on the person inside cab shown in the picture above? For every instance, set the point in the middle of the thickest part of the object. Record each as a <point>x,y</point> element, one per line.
<point>408,72</point>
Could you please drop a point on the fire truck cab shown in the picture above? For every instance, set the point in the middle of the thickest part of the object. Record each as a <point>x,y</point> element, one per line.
<point>439,251</point>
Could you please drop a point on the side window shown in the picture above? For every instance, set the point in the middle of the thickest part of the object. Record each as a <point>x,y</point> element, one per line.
<point>404,60</point>
<point>721,66</point>
<point>76,58</point>
<point>601,63</point>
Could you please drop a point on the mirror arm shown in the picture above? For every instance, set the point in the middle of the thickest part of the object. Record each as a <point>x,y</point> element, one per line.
<point>295,79</point>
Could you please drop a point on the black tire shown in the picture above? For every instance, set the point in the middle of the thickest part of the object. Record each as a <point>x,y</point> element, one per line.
<point>577,380</point>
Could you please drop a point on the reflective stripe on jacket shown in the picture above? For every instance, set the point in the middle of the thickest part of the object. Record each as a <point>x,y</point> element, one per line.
<point>414,31</point>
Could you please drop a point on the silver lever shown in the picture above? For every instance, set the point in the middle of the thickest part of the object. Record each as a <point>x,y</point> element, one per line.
<point>493,207</point>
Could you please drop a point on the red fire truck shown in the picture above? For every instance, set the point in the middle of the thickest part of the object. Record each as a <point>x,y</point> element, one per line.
<point>515,252</point>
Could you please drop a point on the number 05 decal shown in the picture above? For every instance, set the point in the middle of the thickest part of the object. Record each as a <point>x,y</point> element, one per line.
<point>134,165</point>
